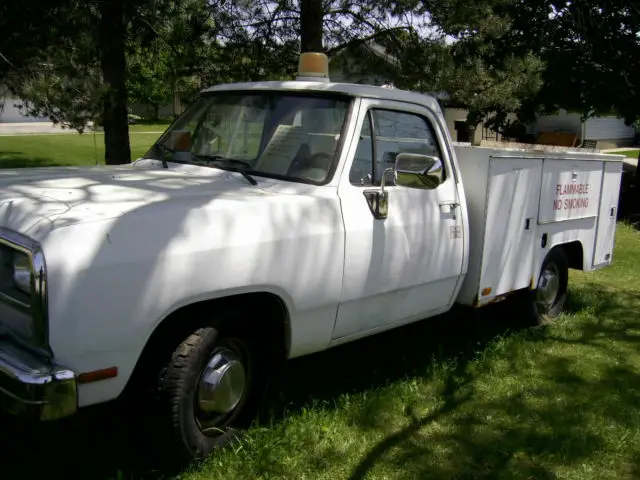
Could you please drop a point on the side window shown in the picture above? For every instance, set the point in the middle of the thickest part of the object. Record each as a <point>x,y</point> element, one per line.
<point>362,167</point>
<point>394,132</point>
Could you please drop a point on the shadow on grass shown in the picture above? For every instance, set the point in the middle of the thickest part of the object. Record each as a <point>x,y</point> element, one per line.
<point>629,199</point>
<point>561,418</point>
<point>385,358</point>
<point>615,315</point>
<point>15,160</point>
<point>486,436</point>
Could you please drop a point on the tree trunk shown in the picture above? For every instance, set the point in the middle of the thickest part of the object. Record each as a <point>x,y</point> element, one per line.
<point>113,62</point>
<point>311,17</point>
<point>636,188</point>
<point>174,95</point>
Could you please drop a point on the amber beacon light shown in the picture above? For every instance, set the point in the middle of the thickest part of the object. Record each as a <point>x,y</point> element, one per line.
<point>313,66</point>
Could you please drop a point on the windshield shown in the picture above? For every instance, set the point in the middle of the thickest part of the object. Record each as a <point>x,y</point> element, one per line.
<point>275,134</point>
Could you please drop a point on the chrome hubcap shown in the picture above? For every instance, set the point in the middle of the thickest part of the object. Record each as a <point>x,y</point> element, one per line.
<point>548,287</point>
<point>222,383</point>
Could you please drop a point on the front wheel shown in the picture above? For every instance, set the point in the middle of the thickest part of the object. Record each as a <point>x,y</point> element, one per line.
<point>210,387</point>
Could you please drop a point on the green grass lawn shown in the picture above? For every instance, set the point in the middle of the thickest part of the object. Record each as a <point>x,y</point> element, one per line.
<point>49,150</point>
<point>629,153</point>
<point>159,126</point>
<point>466,395</point>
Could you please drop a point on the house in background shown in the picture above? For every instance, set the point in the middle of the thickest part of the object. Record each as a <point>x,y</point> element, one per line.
<point>10,111</point>
<point>598,132</point>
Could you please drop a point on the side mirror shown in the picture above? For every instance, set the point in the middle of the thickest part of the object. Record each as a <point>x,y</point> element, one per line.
<point>418,171</point>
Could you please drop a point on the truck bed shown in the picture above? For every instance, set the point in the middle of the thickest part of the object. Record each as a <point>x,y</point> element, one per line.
<point>523,203</point>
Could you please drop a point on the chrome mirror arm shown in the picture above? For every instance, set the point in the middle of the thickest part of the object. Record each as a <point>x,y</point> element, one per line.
<point>384,174</point>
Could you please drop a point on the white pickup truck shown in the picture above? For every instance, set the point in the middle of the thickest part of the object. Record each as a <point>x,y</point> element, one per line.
<point>270,221</point>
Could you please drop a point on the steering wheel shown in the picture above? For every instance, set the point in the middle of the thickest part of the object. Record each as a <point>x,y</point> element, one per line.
<point>315,167</point>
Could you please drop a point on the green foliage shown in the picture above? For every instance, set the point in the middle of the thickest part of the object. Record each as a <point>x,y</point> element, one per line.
<point>148,76</point>
<point>51,59</point>
<point>262,39</point>
<point>591,52</point>
<point>174,51</point>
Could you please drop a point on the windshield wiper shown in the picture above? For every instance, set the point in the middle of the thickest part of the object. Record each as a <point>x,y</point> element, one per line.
<point>249,178</point>
<point>165,149</point>
<point>231,161</point>
<point>220,158</point>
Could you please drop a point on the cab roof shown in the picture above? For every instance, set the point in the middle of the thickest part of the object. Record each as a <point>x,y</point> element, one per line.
<point>351,89</point>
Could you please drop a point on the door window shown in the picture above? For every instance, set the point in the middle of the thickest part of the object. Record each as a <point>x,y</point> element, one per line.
<point>394,132</point>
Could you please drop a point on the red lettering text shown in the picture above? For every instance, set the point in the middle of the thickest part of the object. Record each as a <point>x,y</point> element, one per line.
<point>572,189</point>
<point>571,203</point>
<point>582,201</point>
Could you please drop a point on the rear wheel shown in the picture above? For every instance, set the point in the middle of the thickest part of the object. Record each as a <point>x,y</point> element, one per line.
<point>550,294</point>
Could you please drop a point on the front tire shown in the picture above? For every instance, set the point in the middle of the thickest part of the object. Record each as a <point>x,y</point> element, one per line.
<point>211,387</point>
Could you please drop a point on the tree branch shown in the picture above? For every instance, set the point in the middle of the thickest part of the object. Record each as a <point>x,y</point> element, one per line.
<point>355,16</point>
<point>7,61</point>
<point>357,41</point>
<point>171,47</point>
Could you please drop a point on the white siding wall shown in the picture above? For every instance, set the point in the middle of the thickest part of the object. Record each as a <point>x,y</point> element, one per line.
<point>599,128</point>
<point>607,128</point>
<point>12,114</point>
<point>561,122</point>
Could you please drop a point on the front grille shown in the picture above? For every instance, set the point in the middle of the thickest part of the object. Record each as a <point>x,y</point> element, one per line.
<point>23,298</point>
<point>17,320</point>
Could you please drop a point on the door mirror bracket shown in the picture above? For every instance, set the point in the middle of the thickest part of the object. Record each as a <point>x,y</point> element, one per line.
<point>378,199</point>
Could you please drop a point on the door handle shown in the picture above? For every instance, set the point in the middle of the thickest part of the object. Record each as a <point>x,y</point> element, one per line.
<point>528,222</point>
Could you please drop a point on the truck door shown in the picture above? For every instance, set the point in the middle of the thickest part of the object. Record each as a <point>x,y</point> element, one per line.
<point>406,266</point>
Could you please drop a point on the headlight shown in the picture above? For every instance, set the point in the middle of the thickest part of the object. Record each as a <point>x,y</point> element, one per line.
<point>22,272</point>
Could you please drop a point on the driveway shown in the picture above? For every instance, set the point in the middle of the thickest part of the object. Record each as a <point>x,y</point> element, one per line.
<point>33,128</point>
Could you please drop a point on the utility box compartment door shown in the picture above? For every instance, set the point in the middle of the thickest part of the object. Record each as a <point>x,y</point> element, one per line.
<point>605,233</point>
<point>570,189</point>
<point>512,210</point>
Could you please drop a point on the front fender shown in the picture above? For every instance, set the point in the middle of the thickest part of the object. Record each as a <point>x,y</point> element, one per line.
<point>112,282</point>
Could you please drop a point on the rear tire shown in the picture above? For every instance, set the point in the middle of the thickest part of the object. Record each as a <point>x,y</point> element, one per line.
<point>546,302</point>
<point>209,390</point>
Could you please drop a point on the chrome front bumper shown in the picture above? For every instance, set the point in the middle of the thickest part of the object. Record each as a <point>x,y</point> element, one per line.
<point>31,387</point>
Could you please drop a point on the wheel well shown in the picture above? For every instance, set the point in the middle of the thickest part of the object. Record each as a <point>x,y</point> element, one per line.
<point>272,327</point>
<point>574,253</point>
